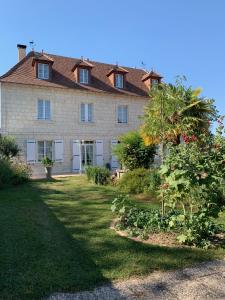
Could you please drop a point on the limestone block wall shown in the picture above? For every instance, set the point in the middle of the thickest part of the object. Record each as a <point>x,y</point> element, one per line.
<point>19,118</point>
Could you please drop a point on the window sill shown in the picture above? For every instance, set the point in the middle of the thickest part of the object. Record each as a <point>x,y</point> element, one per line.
<point>87,123</point>
<point>122,124</point>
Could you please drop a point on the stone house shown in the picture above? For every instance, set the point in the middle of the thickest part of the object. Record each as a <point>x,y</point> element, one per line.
<point>71,110</point>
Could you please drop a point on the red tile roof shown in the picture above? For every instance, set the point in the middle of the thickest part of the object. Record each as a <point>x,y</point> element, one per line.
<point>62,75</point>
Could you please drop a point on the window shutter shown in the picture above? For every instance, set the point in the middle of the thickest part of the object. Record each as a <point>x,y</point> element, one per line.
<point>40,109</point>
<point>90,109</point>
<point>82,112</point>
<point>114,160</point>
<point>99,153</point>
<point>76,156</point>
<point>47,110</point>
<point>31,151</point>
<point>59,150</point>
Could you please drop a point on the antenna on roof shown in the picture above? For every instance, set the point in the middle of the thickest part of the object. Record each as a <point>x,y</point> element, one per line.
<point>32,45</point>
<point>143,65</point>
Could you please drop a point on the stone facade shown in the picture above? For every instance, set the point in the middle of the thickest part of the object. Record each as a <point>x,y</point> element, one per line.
<point>18,104</point>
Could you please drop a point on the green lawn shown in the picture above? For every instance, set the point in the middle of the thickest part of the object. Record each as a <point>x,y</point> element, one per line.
<point>55,237</point>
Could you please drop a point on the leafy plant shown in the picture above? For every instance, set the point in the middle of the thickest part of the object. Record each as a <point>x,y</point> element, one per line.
<point>140,181</point>
<point>47,162</point>
<point>98,175</point>
<point>133,153</point>
<point>8,147</point>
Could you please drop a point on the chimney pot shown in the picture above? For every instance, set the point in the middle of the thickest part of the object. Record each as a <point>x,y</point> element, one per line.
<point>21,51</point>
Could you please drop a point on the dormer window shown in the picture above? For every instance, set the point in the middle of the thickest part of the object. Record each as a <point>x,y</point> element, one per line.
<point>151,79</point>
<point>119,81</point>
<point>83,76</point>
<point>154,82</point>
<point>43,71</point>
<point>117,77</point>
<point>42,64</point>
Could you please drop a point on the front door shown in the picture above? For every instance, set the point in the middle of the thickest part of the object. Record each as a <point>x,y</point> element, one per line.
<point>87,154</point>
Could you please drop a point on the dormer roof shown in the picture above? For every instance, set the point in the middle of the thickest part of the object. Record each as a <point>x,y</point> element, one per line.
<point>82,63</point>
<point>42,57</point>
<point>117,69</point>
<point>152,75</point>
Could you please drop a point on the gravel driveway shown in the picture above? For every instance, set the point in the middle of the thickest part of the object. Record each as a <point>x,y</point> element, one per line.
<point>204,281</point>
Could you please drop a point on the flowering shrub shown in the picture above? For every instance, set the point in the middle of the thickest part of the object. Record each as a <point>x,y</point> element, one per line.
<point>193,176</point>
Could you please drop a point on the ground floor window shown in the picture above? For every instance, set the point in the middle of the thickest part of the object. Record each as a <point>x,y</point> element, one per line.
<point>45,149</point>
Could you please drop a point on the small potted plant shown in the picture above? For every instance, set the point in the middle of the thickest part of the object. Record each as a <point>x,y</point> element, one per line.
<point>48,164</point>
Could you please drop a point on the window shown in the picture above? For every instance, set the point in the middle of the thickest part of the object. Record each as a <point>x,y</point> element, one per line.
<point>84,76</point>
<point>44,110</point>
<point>154,82</point>
<point>86,113</point>
<point>122,115</point>
<point>45,149</point>
<point>119,81</point>
<point>43,71</point>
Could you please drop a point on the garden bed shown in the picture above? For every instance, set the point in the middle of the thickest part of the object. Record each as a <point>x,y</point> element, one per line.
<point>166,239</point>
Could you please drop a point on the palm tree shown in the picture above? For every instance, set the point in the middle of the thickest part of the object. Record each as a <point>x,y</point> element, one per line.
<point>173,110</point>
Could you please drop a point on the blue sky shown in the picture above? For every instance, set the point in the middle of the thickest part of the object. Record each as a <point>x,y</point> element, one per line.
<point>174,37</point>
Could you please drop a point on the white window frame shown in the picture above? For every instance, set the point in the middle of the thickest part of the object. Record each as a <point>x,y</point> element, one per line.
<point>43,71</point>
<point>119,81</point>
<point>87,118</point>
<point>44,111</point>
<point>124,109</point>
<point>45,148</point>
<point>83,75</point>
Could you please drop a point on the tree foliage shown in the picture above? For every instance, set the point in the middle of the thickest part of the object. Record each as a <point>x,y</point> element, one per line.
<point>133,153</point>
<point>8,147</point>
<point>173,110</point>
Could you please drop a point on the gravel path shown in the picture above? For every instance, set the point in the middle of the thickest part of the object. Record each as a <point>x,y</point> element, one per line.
<point>204,281</point>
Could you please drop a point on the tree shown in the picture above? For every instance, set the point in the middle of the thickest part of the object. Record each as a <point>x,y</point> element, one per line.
<point>8,147</point>
<point>133,153</point>
<point>173,110</point>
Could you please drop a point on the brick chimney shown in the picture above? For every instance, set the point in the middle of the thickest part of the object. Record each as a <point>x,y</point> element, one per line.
<point>21,51</point>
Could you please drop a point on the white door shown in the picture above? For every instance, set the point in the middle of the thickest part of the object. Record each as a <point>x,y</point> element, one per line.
<point>114,161</point>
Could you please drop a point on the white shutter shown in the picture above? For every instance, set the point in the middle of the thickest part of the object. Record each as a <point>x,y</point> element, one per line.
<point>59,150</point>
<point>99,153</point>
<point>114,160</point>
<point>40,109</point>
<point>31,151</point>
<point>76,156</point>
<point>47,110</point>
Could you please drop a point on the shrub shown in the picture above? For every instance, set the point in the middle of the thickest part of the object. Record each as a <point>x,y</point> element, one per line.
<point>21,172</point>
<point>98,175</point>
<point>14,173</point>
<point>8,147</point>
<point>133,153</point>
<point>140,181</point>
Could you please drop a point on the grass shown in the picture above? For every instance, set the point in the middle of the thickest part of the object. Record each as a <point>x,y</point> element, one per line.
<point>55,237</point>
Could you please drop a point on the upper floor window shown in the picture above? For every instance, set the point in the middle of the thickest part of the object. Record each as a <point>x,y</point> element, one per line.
<point>43,71</point>
<point>122,114</point>
<point>86,112</point>
<point>83,76</point>
<point>45,149</point>
<point>44,110</point>
<point>119,81</point>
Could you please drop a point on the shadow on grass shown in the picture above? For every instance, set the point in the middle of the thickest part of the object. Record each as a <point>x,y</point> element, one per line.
<point>55,237</point>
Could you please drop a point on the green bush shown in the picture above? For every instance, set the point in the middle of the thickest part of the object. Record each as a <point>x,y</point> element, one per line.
<point>98,175</point>
<point>13,173</point>
<point>133,153</point>
<point>8,147</point>
<point>140,181</point>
